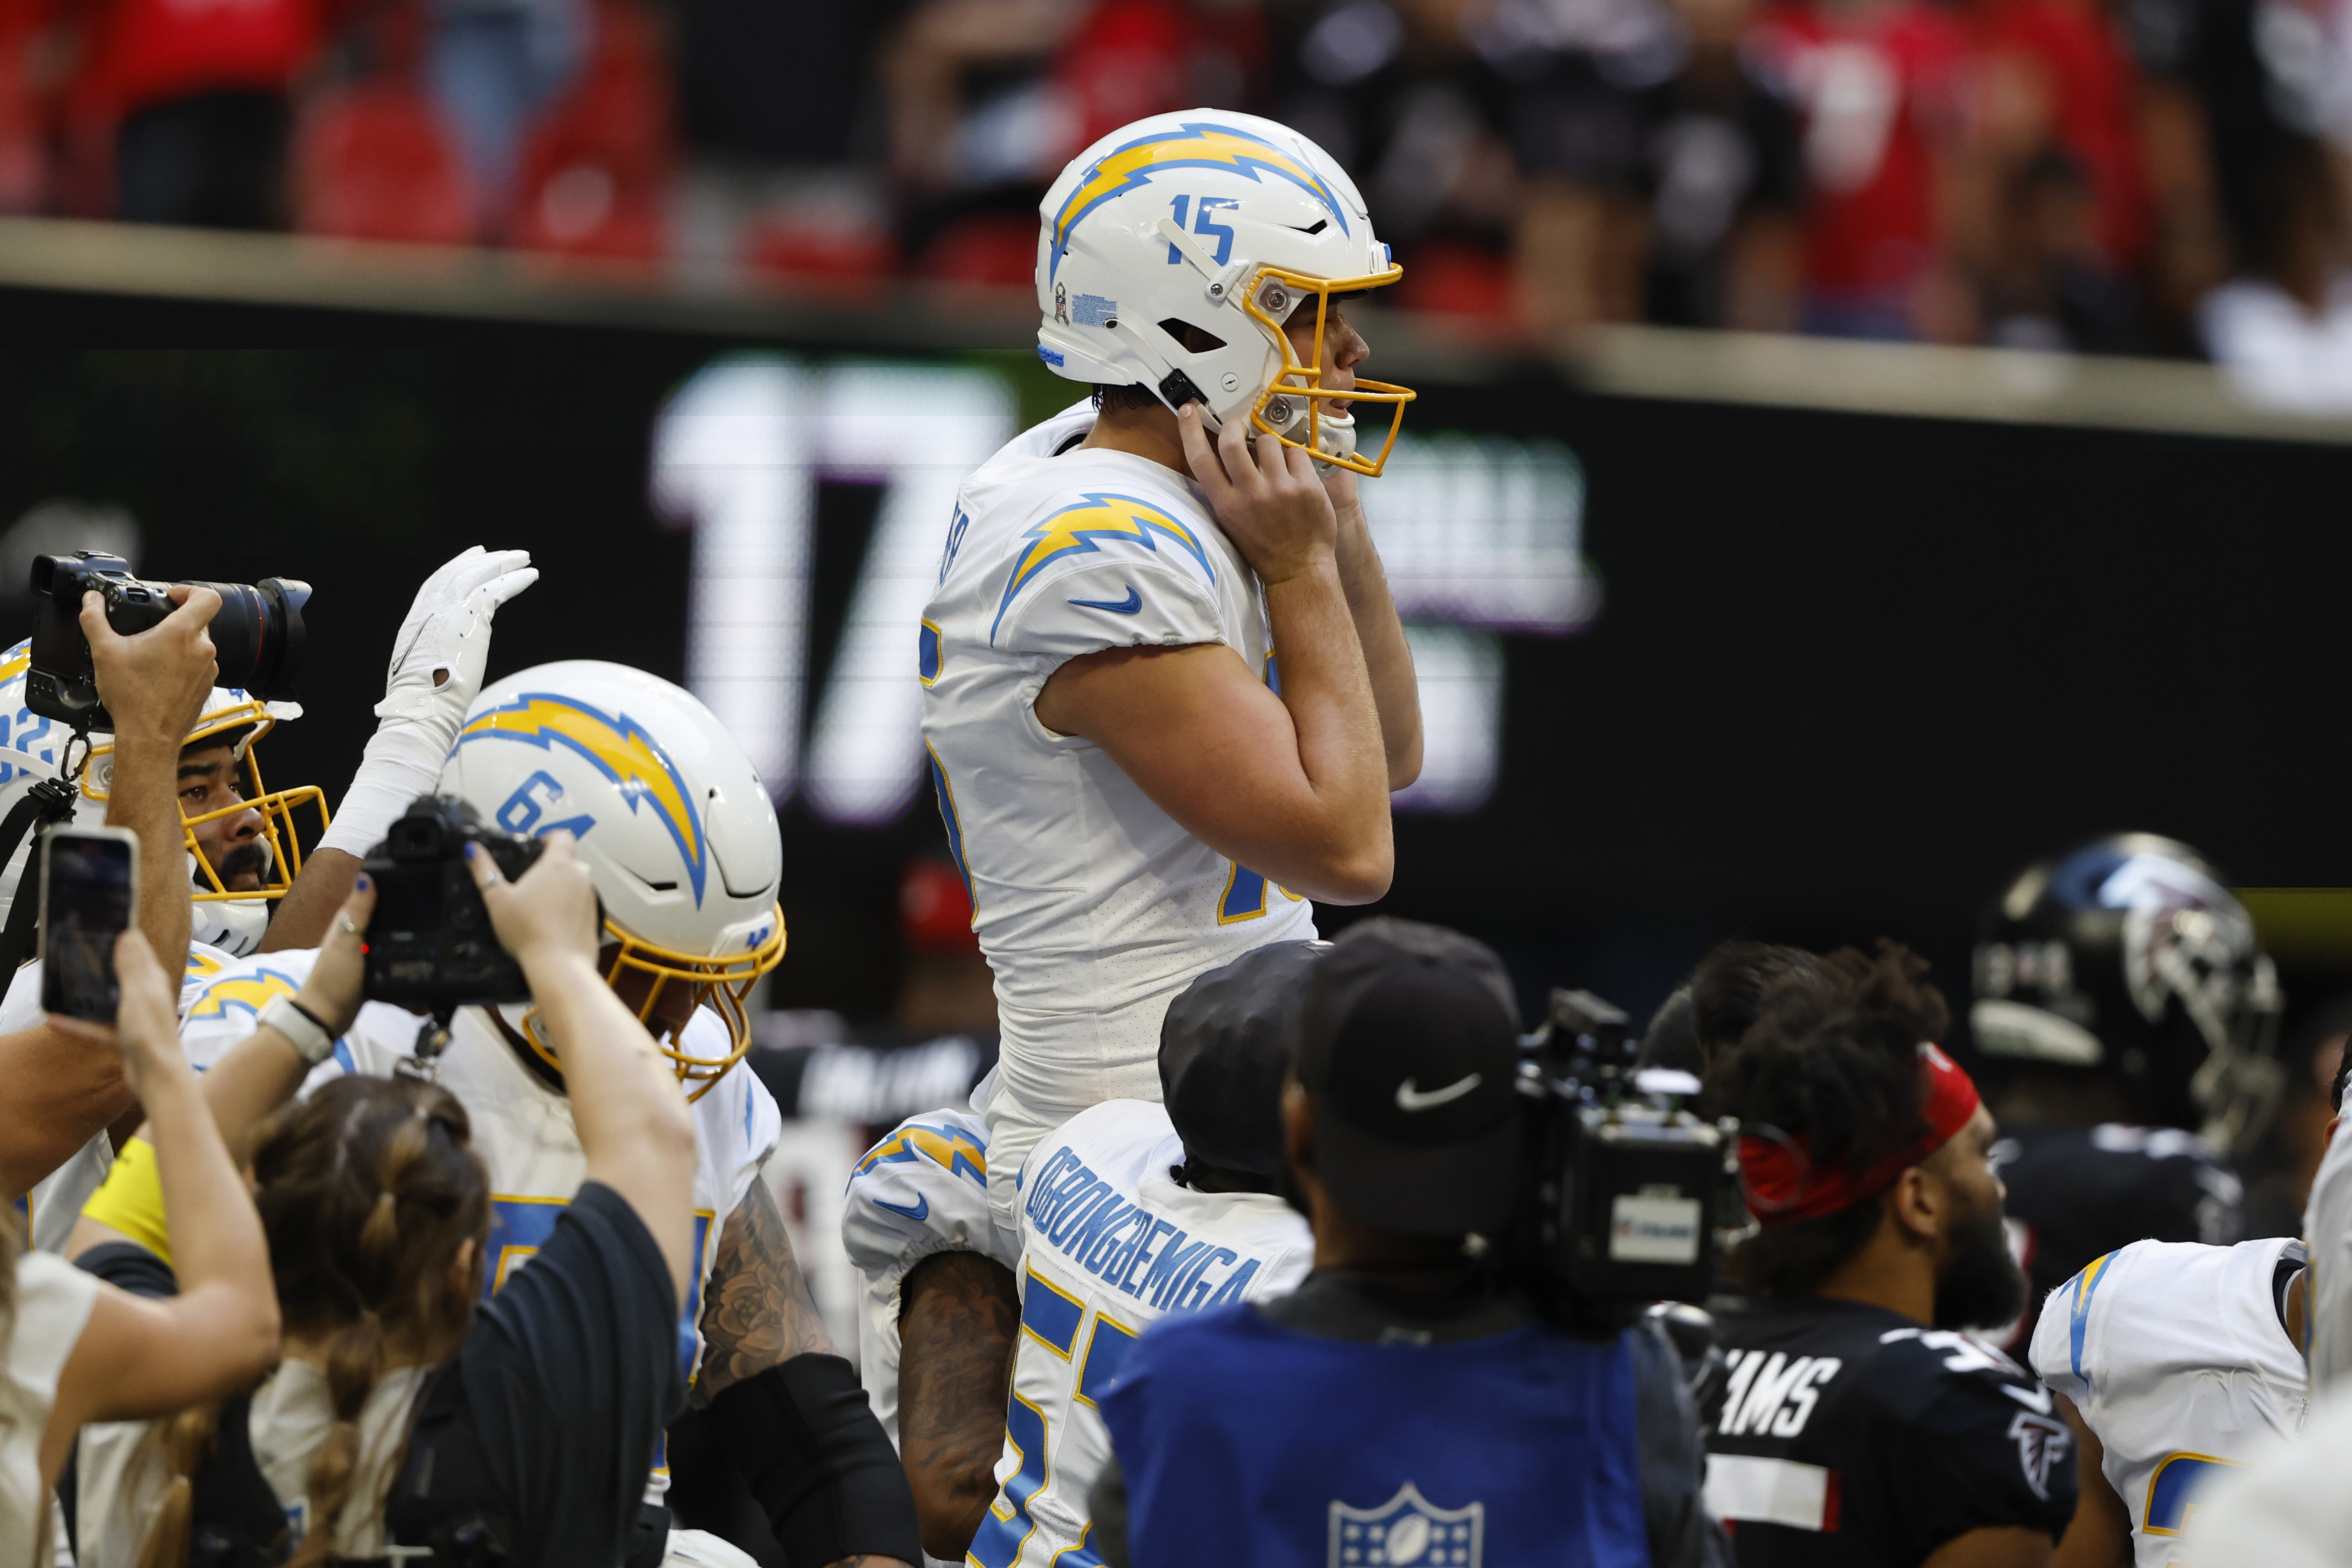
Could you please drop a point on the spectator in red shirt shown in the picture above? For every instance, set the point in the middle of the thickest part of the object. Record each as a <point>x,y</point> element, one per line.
<point>1876,83</point>
<point>192,97</point>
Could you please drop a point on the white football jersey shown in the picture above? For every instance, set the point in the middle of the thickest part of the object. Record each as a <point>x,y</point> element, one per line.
<point>1109,1245</point>
<point>2174,1353</point>
<point>522,1129</point>
<point>56,1201</point>
<point>921,1190</point>
<point>2327,1227</point>
<point>1093,906</point>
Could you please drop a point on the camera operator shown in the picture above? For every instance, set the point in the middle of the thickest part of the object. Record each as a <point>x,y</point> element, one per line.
<point>530,1420</point>
<point>1404,1406</point>
<point>1857,1424</point>
<point>77,1350</point>
<point>61,1095</point>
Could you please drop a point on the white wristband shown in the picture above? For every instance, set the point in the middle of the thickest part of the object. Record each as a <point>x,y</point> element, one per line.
<point>309,1040</point>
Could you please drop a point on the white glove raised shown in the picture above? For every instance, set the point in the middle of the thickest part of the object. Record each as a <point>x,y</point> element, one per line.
<point>437,661</point>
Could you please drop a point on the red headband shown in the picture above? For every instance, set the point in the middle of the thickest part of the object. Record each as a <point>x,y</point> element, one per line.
<point>1783,1184</point>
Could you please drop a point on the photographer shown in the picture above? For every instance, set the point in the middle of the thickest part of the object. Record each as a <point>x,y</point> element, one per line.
<point>61,1093</point>
<point>78,1350</point>
<point>1858,1425</point>
<point>533,1418</point>
<point>1403,1406</point>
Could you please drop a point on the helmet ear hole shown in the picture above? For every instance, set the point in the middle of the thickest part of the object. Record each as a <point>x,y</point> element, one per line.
<point>1193,339</point>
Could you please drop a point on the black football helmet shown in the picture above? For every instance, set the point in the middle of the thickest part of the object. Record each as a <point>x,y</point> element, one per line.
<point>2128,957</point>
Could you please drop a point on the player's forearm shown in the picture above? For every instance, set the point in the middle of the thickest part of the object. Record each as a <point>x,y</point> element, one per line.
<point>144,797</point>
<point>245,1087</point>
<point>1328,693</point>
<point>62,1091</point>
<point>634,1125</point>
<point>216,1237</point>
<point>1388,659</point>
<point>319,890</point>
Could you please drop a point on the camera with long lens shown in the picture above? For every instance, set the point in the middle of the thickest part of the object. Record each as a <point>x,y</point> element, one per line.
<point>429,942</point>
<point>257,635</point>
<point>1624,1188</point>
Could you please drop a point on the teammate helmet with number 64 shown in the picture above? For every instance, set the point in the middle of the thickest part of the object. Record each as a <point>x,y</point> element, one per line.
<point>1231,225</point>
<point>672,822</point>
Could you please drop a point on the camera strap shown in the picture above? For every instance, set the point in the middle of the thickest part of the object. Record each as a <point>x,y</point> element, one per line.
<point>48,803</point>
<point>424,1063</point>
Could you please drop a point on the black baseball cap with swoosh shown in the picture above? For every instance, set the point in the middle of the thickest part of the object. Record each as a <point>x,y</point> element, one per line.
<point>1409,1042</point>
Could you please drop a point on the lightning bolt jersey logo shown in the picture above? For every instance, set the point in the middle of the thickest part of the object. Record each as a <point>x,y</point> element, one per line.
<point>250,993</point>
<point>618,747</point>
<point>1192,146</point>
<point>1080,528</point>
<point>943,1146</point>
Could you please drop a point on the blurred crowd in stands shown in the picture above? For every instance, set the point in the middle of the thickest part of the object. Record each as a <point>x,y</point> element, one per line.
<point>2152,176</point>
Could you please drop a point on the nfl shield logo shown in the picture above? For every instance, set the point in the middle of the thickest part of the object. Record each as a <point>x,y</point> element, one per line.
<point>1408,1530</point>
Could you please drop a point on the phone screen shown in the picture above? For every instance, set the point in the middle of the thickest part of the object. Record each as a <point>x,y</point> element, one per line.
<point>88,887</point>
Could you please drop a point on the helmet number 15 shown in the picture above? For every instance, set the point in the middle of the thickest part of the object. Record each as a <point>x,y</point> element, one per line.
<point>1201,224</point>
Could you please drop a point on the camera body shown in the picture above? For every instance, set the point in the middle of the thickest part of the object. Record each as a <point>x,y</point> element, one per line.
<point>1623,1189</point>
<point>257,635</point>
<point>429,942</point>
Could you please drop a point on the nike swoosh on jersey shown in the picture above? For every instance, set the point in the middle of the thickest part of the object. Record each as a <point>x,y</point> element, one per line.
<point>918,1212</point>
<point>1128,606</point>
<point>1410,1098</point>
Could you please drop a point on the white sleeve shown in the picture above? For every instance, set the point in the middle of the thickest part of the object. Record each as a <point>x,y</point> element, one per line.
<point>921,1190</point>
<point>1125,599</point>
<point>752,1118</point>
<point>2328,1231</point>
<point>2052,1355</point>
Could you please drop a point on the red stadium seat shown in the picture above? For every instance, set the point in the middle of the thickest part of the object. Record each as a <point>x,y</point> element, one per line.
<point>1454,279</point>
<point>985,247</point>
<point>595,172</point>
<point>373,162</point>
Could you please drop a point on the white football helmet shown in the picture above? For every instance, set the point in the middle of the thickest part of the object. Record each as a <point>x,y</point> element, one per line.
<point>31,747</point>
<point>1218,220</point>
<point>672,823</point>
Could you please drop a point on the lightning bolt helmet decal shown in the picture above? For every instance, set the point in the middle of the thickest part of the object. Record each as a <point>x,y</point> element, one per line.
<point>1193,145</point>
<point>618,747</point>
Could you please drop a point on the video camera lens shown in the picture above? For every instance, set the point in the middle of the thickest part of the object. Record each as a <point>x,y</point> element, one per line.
<point>257,635</point>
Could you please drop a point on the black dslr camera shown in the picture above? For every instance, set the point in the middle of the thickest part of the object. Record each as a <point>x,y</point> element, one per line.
<point>1623,1188</point>
<point>429,942</point>
<point>258,633</point>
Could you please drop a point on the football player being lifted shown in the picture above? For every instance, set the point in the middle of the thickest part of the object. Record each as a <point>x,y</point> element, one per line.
<point>1166,691</point>
<point>1167,694</point>
<point>2122,989</point>
<point>680,838</point>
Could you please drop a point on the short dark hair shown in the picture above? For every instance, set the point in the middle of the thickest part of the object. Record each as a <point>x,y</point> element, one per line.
<point>1708,1012</point>
<point>1134,398</point>
<point>1831,1057</point>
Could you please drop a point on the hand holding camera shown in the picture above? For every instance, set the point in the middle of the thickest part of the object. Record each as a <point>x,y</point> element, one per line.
<point>549,918</point>
<point>155,678</point>
<point>255,630</point>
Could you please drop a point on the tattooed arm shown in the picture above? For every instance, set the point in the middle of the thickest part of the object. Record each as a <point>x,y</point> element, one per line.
<point>757,1310</point>
<point>957,1316</point>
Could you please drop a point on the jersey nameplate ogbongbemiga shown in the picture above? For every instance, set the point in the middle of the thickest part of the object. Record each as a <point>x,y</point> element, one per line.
<point>1110,1243</point>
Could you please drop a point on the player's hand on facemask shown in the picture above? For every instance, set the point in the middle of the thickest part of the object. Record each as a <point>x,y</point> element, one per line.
<point>444,643</point>
<point>337,984</point>
<point>146,1027</point>
<point>546,918</point>
<point>155,682</point>
<point>1264,494</point>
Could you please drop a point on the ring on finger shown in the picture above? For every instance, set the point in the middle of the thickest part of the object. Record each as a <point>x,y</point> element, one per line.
<point>350,929</point>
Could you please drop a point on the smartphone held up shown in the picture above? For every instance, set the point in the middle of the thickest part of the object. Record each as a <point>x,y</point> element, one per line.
<point>89,896</point>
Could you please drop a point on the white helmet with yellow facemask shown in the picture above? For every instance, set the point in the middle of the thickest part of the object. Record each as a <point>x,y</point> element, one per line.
<point>243,839</point>
<point>1234,226</point>
<point>672,823</point>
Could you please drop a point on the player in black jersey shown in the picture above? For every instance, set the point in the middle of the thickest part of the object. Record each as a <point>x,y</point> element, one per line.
<point>2121,989</point>
<point>1855,1426</point>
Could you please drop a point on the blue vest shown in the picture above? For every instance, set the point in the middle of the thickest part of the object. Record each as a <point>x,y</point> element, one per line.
<point>1247,1444</point>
